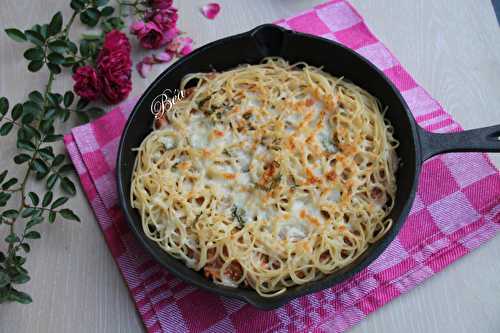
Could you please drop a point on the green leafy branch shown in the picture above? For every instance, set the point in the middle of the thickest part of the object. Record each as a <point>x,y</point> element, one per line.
<point>35,120</point>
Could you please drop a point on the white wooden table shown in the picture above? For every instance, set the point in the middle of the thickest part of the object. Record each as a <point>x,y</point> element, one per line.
<point>452,47</point>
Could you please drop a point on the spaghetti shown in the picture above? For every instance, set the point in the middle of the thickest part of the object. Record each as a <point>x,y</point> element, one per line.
<point>267,176</point>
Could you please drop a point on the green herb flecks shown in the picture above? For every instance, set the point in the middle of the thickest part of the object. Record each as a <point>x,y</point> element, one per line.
<point>239,215</point>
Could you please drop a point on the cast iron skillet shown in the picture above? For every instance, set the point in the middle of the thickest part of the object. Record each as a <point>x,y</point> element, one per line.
<point>416,146</point>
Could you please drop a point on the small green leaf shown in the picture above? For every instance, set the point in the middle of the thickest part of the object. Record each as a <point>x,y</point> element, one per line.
<point>21,158</point>
<point>5,129</point>
<point>28,212</point>
<point>35,37</point>
<point>100,3</point>
<point>36,97</point>
<point>28,118</point>
<point>2,176</point>
<point>54,69</point>
<point>34,198</point>
<point>32,107</point>
<point>44,31</point>
<point>58,160</point>
<point>55,24</point>
<point>114,23</point>
<point>46,125</point>
<point>84,48</point>
<point>82,104</point>
<point>9,183</point>
<point>35,65</point>
<point>12,238</point>
<point>19,261</point>
<point>95,111</point>
<point>72,47</point>
<point>4,106</point>
<point>17,111</point>
<point>59,202</point>
<point>52,217</point>
<point>90,17</point>
<point>26,247</point>
<point>35,53</point>
<point>66,168</point>
<point>50,113</point>
<point>4,198</point>
<point>20,278</point>
<point>47,199</point>
<point>77,4</point>
<point>27,132</point>
<point>88,37</point>
<point>55,99</point>
<point>53,138</point>
<point>16,35</point>
<point>40,166</point>
<point>68,186</point>
<point>10,213</point>
<point>68,99</point>
<point>69,215</point>
<point>4,279</point>
<point>69,61</point>
<point>33,222</point>
<point>37,28</point>
<point>19,296</point>
<point>32,235</point>
<point>83,117</point>
<point>107,11</point>
<point>55,58</point>
<point>46,152</point>
<point>58,46</point>
<point>26,145</point>
<point>65,115</point>
<point>51,181</point>
<point>40,174</point>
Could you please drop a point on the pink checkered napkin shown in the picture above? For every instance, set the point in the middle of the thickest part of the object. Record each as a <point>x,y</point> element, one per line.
<point>457,208</point>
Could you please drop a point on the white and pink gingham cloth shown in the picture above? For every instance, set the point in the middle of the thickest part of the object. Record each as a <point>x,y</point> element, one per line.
<point>457,208</point>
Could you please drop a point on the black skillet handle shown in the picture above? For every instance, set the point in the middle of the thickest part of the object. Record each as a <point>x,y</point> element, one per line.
<point>270,39</point>
<point>486,139</point>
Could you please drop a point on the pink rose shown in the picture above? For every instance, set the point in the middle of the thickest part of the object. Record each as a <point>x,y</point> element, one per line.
<point>165,19</point>
<point>114,65</point>
<point>116,39</point>
<point>161,4</point>
<point>88,84</point>
<point>149,34</point>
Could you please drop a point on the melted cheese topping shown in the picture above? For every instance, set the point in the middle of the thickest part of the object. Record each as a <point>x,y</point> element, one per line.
<point>267,175</point>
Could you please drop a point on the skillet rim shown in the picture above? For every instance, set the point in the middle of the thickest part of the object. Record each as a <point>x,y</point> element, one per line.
<point>247,295</point>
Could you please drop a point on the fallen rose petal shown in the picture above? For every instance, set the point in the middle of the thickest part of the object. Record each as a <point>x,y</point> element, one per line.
<point>185,40</point>
<point>185,45</point>
<point>172,46</point>
<point>143,69</point>
<point>163,57</point>
<point>148,60</point>
<point>210,10</point>
<point>186,49</point>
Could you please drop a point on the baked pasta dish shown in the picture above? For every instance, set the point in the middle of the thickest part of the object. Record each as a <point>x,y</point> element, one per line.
<point>267,176</point>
